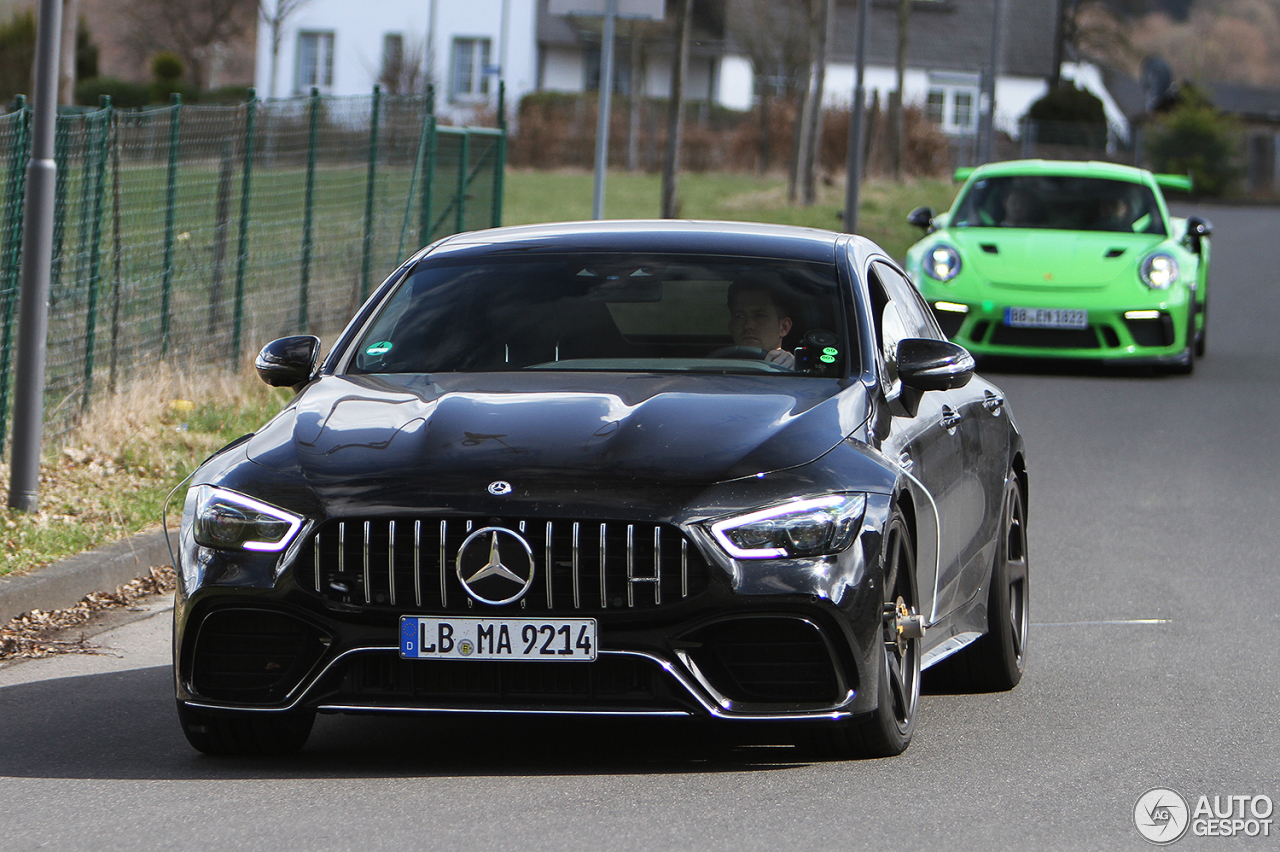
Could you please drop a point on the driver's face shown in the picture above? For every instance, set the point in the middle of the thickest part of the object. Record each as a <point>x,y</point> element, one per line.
<point>754,321</point>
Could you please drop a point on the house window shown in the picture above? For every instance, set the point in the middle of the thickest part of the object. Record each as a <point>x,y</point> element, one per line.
<point>315,62</point>
<point>952,104</point>
<point>470,62</point>
<point>621,71</point>
<point>392,79</point>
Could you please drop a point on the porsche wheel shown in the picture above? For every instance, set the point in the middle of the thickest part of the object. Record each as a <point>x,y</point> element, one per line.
<point>226,733</point>
<point>887,730</point>
<point>1204,328</point>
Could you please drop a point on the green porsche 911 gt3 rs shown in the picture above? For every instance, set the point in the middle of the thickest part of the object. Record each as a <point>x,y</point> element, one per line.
<point>1052,259</point>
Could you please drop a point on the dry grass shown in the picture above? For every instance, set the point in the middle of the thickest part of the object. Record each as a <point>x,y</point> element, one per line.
<point>108,477</point>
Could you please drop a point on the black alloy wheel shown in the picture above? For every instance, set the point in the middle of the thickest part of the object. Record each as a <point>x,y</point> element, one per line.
<point>887,730</point>
<point>245,733</point>
<point>996,661</point>
<point>1186,363</point>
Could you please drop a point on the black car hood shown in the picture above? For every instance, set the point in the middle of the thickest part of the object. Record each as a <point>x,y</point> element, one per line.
<point>482,427</point>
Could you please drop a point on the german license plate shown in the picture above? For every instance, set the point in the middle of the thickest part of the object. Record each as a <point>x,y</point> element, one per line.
<point>559,640</point>
<point>1045,318</point>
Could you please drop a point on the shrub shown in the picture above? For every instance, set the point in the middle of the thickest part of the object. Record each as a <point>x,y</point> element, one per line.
<point>124,95</point>
<point>1068,115</point>
<point>1195,138</point>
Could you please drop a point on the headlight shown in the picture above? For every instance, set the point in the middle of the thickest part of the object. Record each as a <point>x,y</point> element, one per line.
<point>226,520</point>
<point>1159,272</point>
<point>942,262</point>
<point>814,527</point>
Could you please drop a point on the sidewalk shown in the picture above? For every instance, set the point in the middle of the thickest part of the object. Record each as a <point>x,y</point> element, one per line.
<point>64,583</point>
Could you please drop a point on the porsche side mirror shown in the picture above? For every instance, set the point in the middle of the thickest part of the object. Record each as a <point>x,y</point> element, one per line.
<point>927,365</point>
<point>288,362</point>
<point>1197,229</point>
<point>921,217</point>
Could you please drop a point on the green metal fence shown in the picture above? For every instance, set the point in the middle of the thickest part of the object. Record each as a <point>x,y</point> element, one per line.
<point>197,233</point>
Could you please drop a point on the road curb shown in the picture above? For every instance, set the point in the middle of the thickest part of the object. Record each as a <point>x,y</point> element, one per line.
<point>64,583</point>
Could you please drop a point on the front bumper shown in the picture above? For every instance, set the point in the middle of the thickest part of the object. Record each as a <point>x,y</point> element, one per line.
<point>793,640</point>
<point>1155,334</point>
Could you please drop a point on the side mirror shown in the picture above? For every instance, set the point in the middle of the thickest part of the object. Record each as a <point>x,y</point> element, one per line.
<point>927,365</point>
<point>921,217</point>
<point>288,362</point>
<point>1197,229</point>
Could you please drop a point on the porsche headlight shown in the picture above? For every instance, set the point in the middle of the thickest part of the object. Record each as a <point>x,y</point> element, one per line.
<point>1159,271</point>
<point>813,527</point>
<point>942,262</point>
<point>226,520</point>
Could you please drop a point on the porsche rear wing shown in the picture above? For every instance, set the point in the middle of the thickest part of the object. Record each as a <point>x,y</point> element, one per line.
<point>1179,182</point>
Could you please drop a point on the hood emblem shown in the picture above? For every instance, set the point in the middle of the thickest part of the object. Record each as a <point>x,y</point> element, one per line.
<point>500,488</point>
<point>483,572</point>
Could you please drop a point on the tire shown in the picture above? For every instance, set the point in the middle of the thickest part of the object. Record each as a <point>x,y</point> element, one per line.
<point>996,661</point>
<point>887,730</point>
<point>1204,328</point>
<point>1186,364</point>
<point>245,733</point>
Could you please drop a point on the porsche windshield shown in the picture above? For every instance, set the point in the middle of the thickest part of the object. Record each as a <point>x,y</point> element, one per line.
<point>609,312</point>
<point>1061,203</point>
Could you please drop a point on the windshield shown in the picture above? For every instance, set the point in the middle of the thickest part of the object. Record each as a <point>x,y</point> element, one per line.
<point>1061,203</point>
<point>609,312</point>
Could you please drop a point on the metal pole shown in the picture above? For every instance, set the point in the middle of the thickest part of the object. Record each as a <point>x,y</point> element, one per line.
<point>606,93</point>
<point>425,231</point>
<point>853,156</point>
<point>10,249</point>
<point>242,251</point>
<point>500,158</point>
<point>308,206</point>
<point>987,103</point>
<point>371,186</point>
<point>170,207</point>
<point>97,172</point>
<point>37,249</point>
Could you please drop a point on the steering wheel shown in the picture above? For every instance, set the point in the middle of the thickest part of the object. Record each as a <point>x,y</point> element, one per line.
<point>745,353</point>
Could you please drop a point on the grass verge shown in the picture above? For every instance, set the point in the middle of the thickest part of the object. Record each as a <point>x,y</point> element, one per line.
<point>110,476</point>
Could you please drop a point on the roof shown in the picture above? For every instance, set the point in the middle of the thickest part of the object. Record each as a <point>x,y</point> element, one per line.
<point>945,35</point>
<point>657,235</point>
<point>1245,101</point>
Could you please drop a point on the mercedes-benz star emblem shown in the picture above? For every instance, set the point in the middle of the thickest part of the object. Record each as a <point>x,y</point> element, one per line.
<point>493,581</point>
<point>500,488</point>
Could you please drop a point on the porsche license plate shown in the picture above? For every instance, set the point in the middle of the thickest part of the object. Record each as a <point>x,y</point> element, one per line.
<point>557,640</point>
<point>1045,318</point>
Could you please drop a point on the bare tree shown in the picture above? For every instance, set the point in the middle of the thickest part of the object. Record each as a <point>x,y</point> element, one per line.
<point>405,71</point>
<point>275,13</point>
<point>192,29</point>
<point>774,37</point>
<point>896,102</point>
<point>821,13</point>
<point>675,116</point>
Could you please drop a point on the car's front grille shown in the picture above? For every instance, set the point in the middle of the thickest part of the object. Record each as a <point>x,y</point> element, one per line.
<point>384,679</point>
<point>1045,338</point>
<point>404,563</point>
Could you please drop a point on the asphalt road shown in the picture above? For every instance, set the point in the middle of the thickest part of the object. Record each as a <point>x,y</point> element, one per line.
<point>1154,530</point>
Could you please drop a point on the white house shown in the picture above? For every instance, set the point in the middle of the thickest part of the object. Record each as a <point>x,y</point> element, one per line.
<point>465,46</point>
<point>345,48</point>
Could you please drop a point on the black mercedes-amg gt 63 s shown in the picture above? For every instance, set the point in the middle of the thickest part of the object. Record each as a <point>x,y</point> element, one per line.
<point>701,469</point>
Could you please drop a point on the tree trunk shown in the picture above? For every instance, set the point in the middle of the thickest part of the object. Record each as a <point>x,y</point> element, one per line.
<point>67,59</point>
<point>899,97</point>
<point>675,117</point>
<point>826,12</point>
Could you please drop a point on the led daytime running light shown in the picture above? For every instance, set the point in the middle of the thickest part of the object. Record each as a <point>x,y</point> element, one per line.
<point>226,519</point>
<point>818,526</point>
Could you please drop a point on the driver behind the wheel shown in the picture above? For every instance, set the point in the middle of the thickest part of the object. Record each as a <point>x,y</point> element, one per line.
<point>758,318</point>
